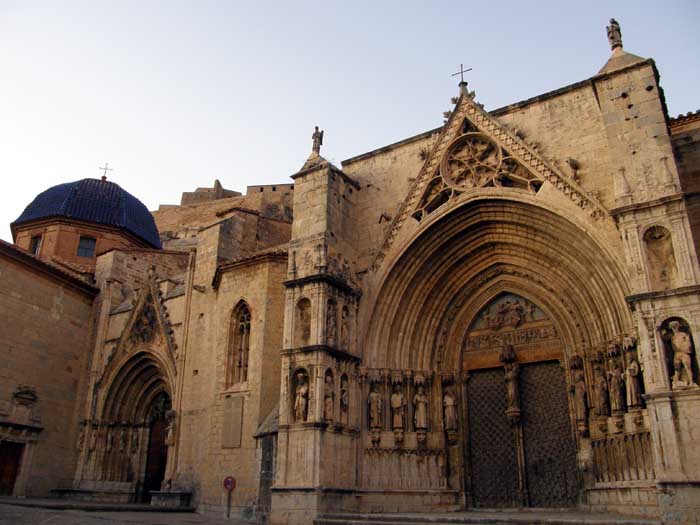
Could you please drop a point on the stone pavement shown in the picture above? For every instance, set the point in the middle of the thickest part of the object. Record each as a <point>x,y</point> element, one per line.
<point>485,517</point>
<point>16,515</point>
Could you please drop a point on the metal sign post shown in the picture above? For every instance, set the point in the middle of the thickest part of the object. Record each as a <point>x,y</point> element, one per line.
<point>229,485</point>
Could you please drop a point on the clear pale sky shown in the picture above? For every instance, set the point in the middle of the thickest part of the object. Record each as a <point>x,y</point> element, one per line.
<point>176,94</point>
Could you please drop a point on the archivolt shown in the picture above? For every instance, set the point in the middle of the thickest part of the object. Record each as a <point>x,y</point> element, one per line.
<point>136,384</point>
<point>461,261</point>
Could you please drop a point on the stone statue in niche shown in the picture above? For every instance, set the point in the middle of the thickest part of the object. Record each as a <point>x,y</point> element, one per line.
<point>170,421</point>
<point>682,349</point>
<point>123,437</point>
<point>93,439</point>
<point>81,437</point>
<point>602,401</point>
<point>580,402</point>
<point>420,409</point>
<point>134,440</point>
<point>632,381</point>
<point>615,387</point>
<point>301,398</point>
<point>420,415</point>
<point>398,410</point>
<point>328,399</point>
<point>109,444</point>
<point>375,403</point>
<point>331,323</point>
<point>344,399</point>
<point>450,405</point>
<point>345,328</point>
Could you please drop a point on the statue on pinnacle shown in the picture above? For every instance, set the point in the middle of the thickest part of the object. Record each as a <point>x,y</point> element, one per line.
<point>317,138</point>
<point>614,34</point>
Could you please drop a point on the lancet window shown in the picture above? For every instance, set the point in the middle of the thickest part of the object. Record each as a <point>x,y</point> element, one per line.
<point>239,345</point>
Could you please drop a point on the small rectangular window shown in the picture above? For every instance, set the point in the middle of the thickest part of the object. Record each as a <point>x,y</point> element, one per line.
<point>86,247</point>
<point>34,244</point>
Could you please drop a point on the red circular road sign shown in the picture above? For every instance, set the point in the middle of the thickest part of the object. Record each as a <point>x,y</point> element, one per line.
<point>229,483</point>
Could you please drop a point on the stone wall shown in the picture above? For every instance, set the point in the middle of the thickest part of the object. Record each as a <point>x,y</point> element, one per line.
<point>228,447</point>
<point>43,370</point>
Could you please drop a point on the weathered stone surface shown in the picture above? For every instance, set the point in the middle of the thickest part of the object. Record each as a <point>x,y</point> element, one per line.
<point>503,311</point>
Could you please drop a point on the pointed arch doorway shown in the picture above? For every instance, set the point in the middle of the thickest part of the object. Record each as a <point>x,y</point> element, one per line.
<point>521,448</point>
<point>129,445</point>
<point>157,448</point>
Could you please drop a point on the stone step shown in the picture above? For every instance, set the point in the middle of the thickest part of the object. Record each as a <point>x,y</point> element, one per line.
<point>497,517</point>
<point>90,506</point>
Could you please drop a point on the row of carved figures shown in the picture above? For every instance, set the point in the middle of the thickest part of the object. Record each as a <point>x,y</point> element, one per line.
<point>618,384</point>
<point>331,413</point>
<point>408,395</point>
<point>114,436</point>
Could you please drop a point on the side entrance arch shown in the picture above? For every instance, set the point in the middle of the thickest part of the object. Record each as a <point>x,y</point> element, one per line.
<point>125,450</point>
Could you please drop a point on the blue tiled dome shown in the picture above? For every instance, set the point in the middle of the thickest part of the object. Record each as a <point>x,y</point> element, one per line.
<point>97,201</point>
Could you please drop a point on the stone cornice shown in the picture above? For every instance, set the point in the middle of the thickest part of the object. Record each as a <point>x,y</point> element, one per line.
<point>645,296</point>
<point>324,164</point>
<point>676,197</point>
<point>330,350</point>
<point>323,278</point>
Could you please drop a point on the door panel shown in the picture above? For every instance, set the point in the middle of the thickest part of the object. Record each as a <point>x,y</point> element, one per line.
<point>550,451</point>
<point>494,468</point>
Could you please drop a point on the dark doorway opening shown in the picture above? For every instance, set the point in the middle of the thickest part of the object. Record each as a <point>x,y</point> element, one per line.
<point>10,462</point>
<point>157,454</point>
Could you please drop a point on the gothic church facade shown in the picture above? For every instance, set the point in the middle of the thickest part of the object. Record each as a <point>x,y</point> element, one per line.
<point>501,312</point>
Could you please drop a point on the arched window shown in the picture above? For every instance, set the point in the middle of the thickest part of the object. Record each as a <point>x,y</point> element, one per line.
<point>302,325</point>
<point>239,345</point>
<point>661,261</point>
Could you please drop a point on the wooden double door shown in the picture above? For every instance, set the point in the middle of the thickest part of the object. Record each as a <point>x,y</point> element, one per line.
<point>529,460</point>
